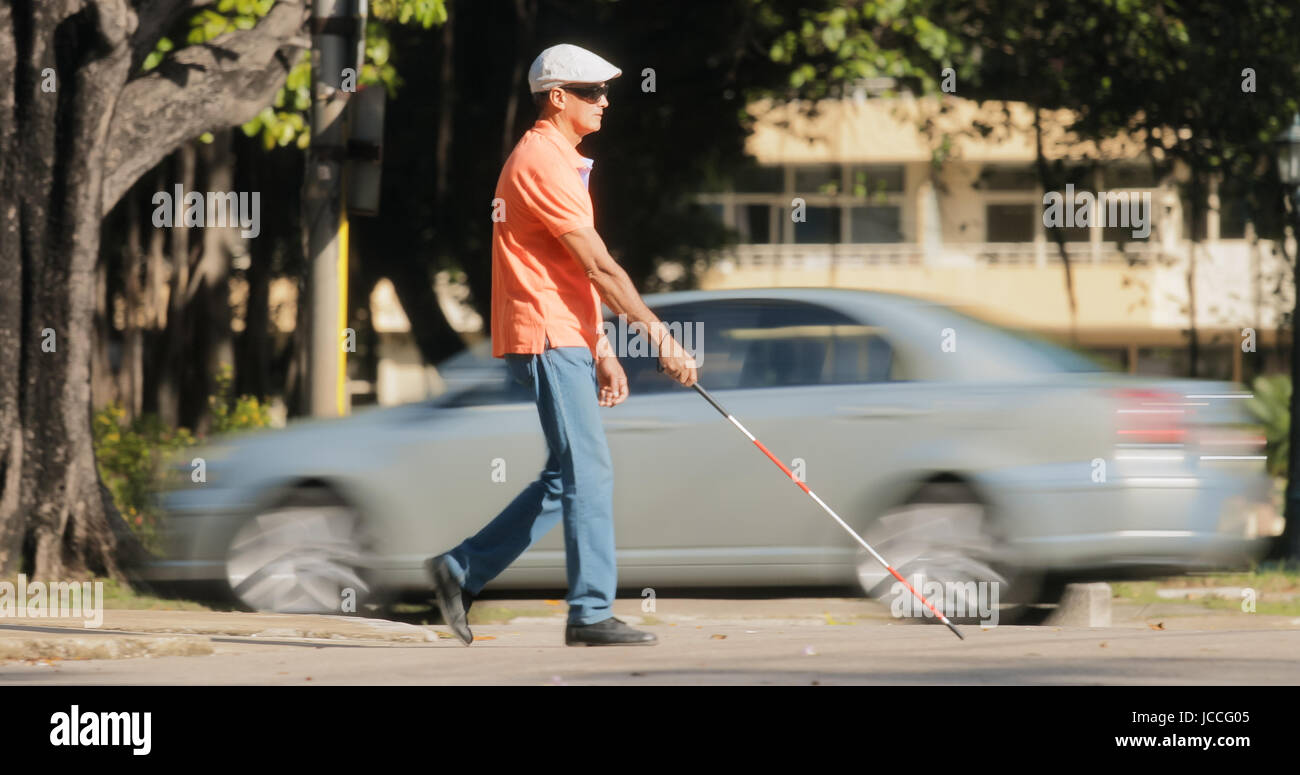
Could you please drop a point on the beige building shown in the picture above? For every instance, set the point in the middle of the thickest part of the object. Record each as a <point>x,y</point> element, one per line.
<point>854,197</point>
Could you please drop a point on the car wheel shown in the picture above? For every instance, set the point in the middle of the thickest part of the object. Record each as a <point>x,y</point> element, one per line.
<point>941,539</point>
<point>306,554</point>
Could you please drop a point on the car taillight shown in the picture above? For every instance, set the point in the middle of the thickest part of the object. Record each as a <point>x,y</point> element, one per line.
<point>1152,417</point>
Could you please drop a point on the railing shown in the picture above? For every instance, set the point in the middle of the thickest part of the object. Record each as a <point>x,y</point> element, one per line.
<point>813,257</point>
<point>1047,252</point>
<point>861,256</point>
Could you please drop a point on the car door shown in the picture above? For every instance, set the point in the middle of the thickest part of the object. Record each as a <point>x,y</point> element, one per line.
<point>476,448</point>
<point>672,452</point>
<point>692,490</point>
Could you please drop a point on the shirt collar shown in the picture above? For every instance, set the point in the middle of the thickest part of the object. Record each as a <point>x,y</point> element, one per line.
<point>550,132</point>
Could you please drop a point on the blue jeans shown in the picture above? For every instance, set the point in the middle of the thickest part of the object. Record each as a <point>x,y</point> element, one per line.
<point>576,484</point>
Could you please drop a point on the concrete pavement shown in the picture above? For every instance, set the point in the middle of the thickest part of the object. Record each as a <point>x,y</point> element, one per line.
<point>787,641</point>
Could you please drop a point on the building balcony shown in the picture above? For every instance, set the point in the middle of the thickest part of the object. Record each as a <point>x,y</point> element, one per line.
<point>1128,295</point>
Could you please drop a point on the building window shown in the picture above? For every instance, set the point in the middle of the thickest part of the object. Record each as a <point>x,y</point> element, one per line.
<point>1010,222</point>
<point>1129,176</point>
<point>1072,233</point>
<point>998,177</point>
<point>822,226</point>
<point>876,180</point>
<point>1070,211</point>
<point>1241,201</point>
<point>874,224</point>
<point>1232,214</point>
<point>757,179</point>
<point>863,204</point>
<point>754,222</point>
<point>1197,234</point>
<point>816,179</point>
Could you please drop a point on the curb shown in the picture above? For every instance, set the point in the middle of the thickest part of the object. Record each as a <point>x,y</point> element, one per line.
<point>266,626</point>
<point>102,648</point>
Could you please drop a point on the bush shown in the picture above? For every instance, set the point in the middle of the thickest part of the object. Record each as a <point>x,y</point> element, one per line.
<point>1272,405</point>
<point>133,457</point>
<point>235,414</point>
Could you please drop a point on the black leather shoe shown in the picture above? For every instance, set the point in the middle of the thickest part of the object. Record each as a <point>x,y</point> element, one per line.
<point>453,601</point>
<point>611,632</point>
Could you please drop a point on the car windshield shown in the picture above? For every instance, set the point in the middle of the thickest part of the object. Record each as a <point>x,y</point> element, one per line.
<point>1057,355</point>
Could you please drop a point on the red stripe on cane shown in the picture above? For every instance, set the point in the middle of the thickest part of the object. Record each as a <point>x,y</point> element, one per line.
<point>788,472</point>
<point>919,596</point>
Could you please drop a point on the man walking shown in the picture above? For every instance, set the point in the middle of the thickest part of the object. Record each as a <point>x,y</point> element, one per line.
<point>550,271</point>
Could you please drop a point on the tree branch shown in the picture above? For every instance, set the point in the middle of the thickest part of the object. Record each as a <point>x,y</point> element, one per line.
<point>222,83</point>
<point>155,17</point>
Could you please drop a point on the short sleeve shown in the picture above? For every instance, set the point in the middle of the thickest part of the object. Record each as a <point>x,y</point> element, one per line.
<point>556,197</point>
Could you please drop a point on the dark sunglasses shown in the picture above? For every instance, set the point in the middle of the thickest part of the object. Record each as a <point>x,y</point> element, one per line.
<point>588,93</point>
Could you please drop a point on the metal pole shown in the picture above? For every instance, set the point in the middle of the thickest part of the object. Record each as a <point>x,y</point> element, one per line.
<point>1292,508</point>
<point>333,39</point>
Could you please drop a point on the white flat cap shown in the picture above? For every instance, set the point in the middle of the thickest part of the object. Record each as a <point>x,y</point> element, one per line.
<point>567,63</point>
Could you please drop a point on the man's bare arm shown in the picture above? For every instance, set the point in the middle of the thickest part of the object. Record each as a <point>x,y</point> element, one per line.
<point>616,290</point>
<point>611,281</point>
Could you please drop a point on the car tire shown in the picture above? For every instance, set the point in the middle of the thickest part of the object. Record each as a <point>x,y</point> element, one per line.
<point>305,554</point>
<point>944,533</point>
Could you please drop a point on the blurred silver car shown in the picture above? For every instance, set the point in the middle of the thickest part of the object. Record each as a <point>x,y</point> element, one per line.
<point>961,450</point>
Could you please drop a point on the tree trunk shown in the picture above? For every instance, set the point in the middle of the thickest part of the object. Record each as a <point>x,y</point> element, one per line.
<point>1287,545</point>
<point>176,333</point>
<point>131,374</point>
<point>211,304</point>
<point>1193,244</point>
<point>255,342</point>
<point>11,311</point>
<point>433,334</point>
<point>52,193</point>
<point>103,387</point>
<point>67,156</point>
<point>525,18</point>
<point>1058,236</point>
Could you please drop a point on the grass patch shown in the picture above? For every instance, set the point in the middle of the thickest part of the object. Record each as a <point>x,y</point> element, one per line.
<point>1276,585</point>
<point>120,596</point>
<point>123,596</point>
<point>427,613</point>
<point>489,614</point>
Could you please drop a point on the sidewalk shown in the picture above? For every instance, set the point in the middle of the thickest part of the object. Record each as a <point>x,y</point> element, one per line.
<point>133,633</point>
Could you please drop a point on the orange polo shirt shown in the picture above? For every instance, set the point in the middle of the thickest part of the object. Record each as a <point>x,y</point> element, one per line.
<point>539,290</point>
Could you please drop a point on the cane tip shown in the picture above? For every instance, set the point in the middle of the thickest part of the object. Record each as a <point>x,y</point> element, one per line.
<point>954,629</point>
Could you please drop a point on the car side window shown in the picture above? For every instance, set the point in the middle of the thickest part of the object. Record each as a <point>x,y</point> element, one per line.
<point>798,343</point>
<point>751,343</point>
<point>703,329</point>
